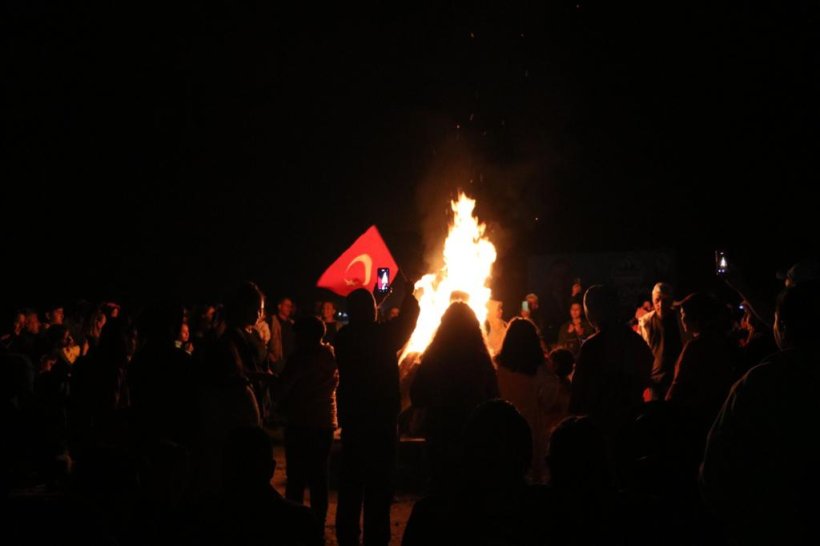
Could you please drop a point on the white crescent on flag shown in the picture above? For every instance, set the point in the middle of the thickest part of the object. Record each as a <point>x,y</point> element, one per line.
<point>367,262</point>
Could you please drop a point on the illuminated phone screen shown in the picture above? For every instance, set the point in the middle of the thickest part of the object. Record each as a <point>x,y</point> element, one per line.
<point>384,279</point>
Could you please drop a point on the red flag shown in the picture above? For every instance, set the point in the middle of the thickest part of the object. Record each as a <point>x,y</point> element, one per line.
<point>356,267</point>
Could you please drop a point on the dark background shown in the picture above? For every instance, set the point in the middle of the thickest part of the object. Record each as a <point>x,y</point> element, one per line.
<point>176,149</point>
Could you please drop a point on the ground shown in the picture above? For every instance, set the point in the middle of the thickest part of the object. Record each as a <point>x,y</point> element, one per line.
<point>403,500</point>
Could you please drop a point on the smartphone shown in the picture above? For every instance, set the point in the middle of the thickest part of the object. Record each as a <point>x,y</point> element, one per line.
<point>383,282</point>
<point>721,263</point>
<point>525,306</point>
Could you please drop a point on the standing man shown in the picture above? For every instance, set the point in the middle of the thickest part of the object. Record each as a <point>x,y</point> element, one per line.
<point>661,328</point>
<point>759,474</point>
<point>368,403</point>
<point>281,343</point>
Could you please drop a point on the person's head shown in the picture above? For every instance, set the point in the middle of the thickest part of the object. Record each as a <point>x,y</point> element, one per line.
<point>245,306</point>
<point>497,446</point>
<point>248,459</point>
<point>184,333</point>
<point>94,322</point>
<point>562,361</point>
<point>458,343</point>
<point>521,350</point>
<point>458,323</point>
<point>328,311</point>
<point>575,311</point>
<point>55,315</point>
<point>577,455</point>
<point>309,332</point>
<point>32,324</point>
<point>601,305</point>
<point>701,313</point>
<point>804,271</point>
<point>532,300</point>
<point>19,323</point>
<point>284,308</point>
<point>797,317</point>
<point>662,299</point>
<point>361,306</point>
<point>577,288</point>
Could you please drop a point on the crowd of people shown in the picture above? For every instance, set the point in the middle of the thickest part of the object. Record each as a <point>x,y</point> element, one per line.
<point>679,424</point>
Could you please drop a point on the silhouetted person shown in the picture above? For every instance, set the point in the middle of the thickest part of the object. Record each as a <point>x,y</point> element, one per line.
<point>613,366</point>
<point>368,406</point>
<point>580,477</point>
<point>225,397</point>
<point>250,510</point>
<point>18,418</point>
<point>491,502</point>
<point>760,472</point>
<point>806,270</point>
<point>307,397</point>
<point>30,341</point>
<point>456,374</point>
<point>92,327</point>
<point>98,382</point>
<point>525,380</point>
<point>10,340</point>
<point>706,368</point>
<point>662,330</point>
<point>52,389</point>
<point>160,378</point>
<point>757,343</point>
<point>562,364</point>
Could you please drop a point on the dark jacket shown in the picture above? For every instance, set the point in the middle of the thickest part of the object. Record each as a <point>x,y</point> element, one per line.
<point>366,353</point>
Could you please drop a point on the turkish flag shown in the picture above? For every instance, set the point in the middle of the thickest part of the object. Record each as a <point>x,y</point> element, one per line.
<point>357,266</point>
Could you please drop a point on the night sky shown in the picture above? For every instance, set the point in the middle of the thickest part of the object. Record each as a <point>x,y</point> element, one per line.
<point>176,149</point>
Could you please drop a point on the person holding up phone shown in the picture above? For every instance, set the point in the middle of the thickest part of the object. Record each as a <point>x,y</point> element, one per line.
<point>368,402</point>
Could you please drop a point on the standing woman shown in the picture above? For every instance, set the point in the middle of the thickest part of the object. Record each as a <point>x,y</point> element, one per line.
<point>525,380</point>
<point>575,330</point>
<point>455,376</point>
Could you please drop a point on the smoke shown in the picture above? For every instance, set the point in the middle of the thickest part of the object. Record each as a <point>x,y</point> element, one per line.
<point>510,176</point>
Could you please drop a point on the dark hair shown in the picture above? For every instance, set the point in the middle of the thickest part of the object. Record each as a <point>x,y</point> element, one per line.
<point>798,308</point>
<point>498,438</point>
<point>309,330</point>
<point>577,456</point>
<point>55,337</point>
<point>458,344</point>
<point>521,350</point>
<point>704,312</point>
<point>601,304</point>
<point>562,361</point>
<point>361,307</point>
<point>243,306</point>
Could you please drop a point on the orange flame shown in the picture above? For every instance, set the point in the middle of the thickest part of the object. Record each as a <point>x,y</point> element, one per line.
<point>468,263</point>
